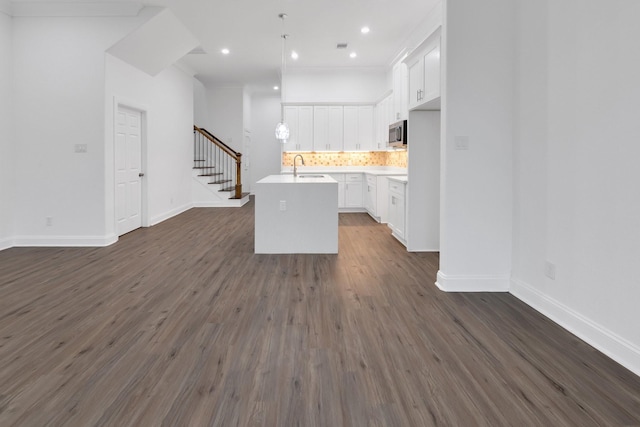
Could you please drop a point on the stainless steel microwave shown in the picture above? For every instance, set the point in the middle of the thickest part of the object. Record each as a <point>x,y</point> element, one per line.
<point>398,134</point>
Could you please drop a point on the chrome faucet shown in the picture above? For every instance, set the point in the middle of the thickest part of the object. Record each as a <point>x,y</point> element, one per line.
<point>295,170</point>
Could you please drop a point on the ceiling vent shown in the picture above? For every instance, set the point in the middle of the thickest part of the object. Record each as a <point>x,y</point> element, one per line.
<point>341,46</point>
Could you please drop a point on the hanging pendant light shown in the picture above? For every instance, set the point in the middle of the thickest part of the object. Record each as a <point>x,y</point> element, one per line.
<point>282,129</point>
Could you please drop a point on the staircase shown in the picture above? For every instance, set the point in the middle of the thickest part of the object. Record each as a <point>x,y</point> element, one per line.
<point>217,172</point>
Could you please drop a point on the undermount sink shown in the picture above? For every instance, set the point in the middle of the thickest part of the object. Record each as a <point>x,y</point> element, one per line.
<point>310,176</point>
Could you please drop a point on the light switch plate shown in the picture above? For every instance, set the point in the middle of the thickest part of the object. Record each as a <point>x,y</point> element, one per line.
<point>462,142</point>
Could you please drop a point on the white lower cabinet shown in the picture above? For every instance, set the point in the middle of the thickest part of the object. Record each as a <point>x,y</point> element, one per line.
<point>375,197</point>
<point>397,210</point>
<point>353,190</point>
<point>371,195</point>
<point>349,191</point>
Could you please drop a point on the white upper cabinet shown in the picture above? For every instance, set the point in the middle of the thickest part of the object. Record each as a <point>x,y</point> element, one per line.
<point>300,122</point>
<point>424,75</point>
<point>333,128</point>
<point>358,128</point>
<point>383,120</point>
<point>432,73</point>
<point>365,128</point>
<point>350,128</point>
<point>327,128</point>
<point>320,128</point>
<point>336,127</point>
<point>399,109</point>
<point>305,128</point>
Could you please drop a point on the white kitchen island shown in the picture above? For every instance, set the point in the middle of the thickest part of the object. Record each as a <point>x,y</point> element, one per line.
<point>296,215</point>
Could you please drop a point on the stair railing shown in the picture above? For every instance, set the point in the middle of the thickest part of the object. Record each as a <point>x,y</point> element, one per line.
<point>215,159</point>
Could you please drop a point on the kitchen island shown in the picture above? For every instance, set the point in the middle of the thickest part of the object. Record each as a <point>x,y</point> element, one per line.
<point>296,214</point>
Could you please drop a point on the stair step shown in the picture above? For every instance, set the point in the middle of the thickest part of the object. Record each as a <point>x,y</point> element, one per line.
<point>228,189</point>
<point>204,167</point>
<point>211,174</point>
<point>199,160</point>
<point>222,181</point>
<point>237,198</point>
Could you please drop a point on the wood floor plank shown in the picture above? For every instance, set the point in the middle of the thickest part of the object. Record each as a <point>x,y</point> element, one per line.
<point>182,324</point>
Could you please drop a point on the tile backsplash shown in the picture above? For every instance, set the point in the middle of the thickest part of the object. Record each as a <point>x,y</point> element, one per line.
<point>366,158</point>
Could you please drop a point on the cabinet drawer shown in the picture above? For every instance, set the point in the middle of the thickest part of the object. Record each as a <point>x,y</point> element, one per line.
<point>337,176</point>
<point>372,180</point>
<point>396,187</point>
<point>353,177</point>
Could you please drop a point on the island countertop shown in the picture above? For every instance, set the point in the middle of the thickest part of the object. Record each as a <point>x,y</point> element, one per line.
<point>302,178</point>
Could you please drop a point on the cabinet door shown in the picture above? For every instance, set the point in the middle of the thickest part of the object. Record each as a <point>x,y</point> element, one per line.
<point>305,128</point>
<point>371,199</point>
<point>320,128</point>
<point>350,133</point>
<point>381,124</point>
<point>399,107</point>
<point>432,74</point>
<point>365,128</point>
<point>416,82</point>
<point>291,119</point>
<point>353,194</point>
<point>392,212</point>
<point>336,128</point>
<point>400,217</point>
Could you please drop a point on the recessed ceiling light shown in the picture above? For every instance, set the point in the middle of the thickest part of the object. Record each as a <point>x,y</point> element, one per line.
<point>225,51</point>
<point>294,54</point>
<point>353,55</point>
<point>276,88</point>
<point>364,30</point>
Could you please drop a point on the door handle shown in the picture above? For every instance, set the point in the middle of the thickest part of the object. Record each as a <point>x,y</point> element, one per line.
<point>141,174</point>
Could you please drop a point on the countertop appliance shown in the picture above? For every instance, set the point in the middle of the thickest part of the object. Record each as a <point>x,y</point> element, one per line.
<point>398,134</point>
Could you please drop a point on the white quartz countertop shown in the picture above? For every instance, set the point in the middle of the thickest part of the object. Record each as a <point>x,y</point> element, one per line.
<point>302,178</point>
<point>402,178</point>
<point>373,170</point>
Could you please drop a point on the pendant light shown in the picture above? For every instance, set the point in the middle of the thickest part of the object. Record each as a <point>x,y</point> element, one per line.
<point>282,129</point>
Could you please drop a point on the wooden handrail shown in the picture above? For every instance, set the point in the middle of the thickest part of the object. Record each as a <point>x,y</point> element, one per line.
<point>230,152</point>
<point>211,137</point>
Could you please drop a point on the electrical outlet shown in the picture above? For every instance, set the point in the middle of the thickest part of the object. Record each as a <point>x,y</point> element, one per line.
<point>461,142</point>
<point>283,205</point>
<point>550,270</point>
<point>80,148</point>
<point>49,221</point>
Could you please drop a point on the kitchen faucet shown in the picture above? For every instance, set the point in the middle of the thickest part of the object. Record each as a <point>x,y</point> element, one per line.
<point>295,170</point>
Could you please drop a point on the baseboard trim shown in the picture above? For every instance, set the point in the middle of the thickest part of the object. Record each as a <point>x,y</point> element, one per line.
<point>604,340</point>
<point>64,241</point>
<point>6,243</point>
<point>472,283</point>
<point>169,214</point>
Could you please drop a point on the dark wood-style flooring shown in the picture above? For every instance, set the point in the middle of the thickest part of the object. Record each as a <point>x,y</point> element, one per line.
<point>182,324</point>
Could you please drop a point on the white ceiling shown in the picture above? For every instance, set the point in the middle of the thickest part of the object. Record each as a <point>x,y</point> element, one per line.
<point>251,30</point>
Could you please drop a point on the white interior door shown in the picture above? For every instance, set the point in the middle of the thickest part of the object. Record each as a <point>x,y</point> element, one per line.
<point>128,155</point>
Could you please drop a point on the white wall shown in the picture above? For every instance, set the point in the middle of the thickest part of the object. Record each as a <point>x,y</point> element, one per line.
<point>168,102</point>
<point>200,105</point>
<point>330,85</point>
<point>477,103</point>
<point>226,114</point>
<point>577,202</point>
<point>266,151</point>
<point>59,102</point>
<point>6,133</point>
